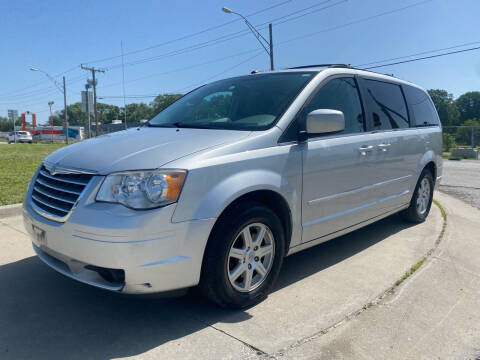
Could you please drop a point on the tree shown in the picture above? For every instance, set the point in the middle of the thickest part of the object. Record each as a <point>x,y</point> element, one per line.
<point>468,105</point>
<point>446,107</point>
<point>137,112</point>
<point>464,133</point>
<point>162,101</point>
<point>448,142</point>
<point>5,124</point>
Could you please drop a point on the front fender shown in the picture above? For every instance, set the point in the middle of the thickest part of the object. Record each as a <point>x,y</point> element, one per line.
<point>210,203</point>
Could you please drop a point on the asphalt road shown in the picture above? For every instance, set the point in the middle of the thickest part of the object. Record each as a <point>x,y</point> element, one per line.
<point>462,180</point>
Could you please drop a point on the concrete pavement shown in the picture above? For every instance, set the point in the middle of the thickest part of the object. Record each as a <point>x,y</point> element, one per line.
<point>44,315</point>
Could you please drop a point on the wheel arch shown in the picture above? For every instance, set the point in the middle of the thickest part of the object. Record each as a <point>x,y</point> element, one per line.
<point>269,198</point>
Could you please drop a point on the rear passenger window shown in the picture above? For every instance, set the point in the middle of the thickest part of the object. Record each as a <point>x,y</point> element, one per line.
<point>340,94</point>
<point>422,109</point>
<point>387,108</point>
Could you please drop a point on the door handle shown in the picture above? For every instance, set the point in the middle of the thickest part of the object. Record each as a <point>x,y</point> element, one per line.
<point>364,149</point>
<point>384,147</point>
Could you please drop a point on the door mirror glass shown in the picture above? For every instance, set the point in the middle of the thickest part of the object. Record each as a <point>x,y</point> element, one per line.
<point>324,121</point>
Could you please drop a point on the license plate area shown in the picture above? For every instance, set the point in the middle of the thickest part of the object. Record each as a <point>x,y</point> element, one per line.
<point>39,236</point>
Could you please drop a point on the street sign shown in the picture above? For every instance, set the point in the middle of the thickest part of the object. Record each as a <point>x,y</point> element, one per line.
<point>85,102</point>
<point>12,115</point>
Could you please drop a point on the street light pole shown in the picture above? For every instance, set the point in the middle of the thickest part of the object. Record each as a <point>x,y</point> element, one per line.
<point>62,89</point>
<point>50,103</point>
<point>267,45</point>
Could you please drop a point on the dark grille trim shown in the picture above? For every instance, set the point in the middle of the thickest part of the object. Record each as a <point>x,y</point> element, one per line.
<point>52,195</point>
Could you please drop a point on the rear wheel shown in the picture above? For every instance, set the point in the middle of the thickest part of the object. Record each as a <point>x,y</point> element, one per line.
<point>243,256</point>
<point>421,201</point>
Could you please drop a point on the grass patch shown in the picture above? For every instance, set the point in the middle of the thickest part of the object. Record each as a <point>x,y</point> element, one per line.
<point>18,163</point>
<point>411,271</point>
<point>442,210</point>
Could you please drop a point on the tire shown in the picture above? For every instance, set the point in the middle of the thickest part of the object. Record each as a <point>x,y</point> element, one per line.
<point>421,201</point>
<point>225,274</point>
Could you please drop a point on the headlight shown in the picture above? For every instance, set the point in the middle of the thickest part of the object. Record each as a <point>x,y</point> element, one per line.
<point>142,189</point>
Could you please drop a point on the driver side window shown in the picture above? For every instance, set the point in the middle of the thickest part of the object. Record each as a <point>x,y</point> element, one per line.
<point>340,94</point>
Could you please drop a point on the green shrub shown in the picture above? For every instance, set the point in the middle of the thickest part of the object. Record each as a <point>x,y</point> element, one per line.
<point>448,142</point>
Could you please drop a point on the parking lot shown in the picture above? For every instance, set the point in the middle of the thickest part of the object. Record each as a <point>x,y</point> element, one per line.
<point>462,180</point>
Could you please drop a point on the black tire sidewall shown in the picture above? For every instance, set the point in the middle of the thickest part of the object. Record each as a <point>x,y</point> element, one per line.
<point>428,175</point>
<point>223,239</point>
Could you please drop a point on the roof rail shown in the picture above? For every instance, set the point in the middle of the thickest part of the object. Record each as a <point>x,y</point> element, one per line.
<point>323,65</point>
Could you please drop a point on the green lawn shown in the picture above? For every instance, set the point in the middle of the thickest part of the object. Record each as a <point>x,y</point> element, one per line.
<point>18,163</point>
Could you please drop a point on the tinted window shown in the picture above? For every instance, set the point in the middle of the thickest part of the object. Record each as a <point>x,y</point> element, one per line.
<point>387,108</point>
<point>421,107</point>
<point>340,94</point>
<point>252,102</point>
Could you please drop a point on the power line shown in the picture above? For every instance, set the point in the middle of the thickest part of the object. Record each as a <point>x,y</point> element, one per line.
<point>423,58</point>
<point>198,46</point>
<point>184,68</point>
<point>354,22</point>
<point>230,36</point>
<point>190,35</point>
<point>39,83</point>
<point>420,53</point>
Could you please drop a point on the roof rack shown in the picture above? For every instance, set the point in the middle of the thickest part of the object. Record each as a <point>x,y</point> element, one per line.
<point>323,65</point>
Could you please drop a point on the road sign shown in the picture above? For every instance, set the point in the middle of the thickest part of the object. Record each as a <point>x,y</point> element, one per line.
<point>12,115</point>
<point>84,102</point>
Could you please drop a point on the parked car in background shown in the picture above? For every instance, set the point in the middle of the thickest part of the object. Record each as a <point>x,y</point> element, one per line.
<point>220,186</point>
<point>19,137</point>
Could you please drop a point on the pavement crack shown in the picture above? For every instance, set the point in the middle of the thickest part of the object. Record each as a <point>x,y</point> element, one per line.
<point>461,186</point>
<point>13,228</point>
<point>377,300</point>
<point>258,351</point>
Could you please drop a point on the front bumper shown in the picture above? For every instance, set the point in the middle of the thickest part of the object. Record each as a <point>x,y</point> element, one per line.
<point>154,254</point>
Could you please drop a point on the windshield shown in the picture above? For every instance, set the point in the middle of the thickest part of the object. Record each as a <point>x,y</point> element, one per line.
<point>252,102</point>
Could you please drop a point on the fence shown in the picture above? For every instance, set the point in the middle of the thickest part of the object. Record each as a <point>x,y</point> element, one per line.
<point>461,136</point>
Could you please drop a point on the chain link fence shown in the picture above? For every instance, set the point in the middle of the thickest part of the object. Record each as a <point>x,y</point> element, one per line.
<point>461,136</point>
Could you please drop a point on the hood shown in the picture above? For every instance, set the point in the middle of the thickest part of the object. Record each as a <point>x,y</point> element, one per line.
<point>142,148</point>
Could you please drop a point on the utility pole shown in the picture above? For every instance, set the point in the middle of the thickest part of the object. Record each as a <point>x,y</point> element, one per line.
<point>50,103</point>
<point>87,86</point>
<point>123,86</point>
<point>65,119</point>
<point>270,30</point>
<point>93,70</point>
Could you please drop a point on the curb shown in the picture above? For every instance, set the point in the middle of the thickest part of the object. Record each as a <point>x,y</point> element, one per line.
<point>10,210</point>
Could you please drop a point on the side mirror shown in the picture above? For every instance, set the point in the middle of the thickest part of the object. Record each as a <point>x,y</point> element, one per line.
<point>324,121</point>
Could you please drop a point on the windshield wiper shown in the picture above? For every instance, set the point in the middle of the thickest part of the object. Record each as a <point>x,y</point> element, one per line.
<point>179,124</point>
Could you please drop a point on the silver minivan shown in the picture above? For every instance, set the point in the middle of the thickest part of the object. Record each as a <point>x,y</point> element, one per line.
<point>220,186</point>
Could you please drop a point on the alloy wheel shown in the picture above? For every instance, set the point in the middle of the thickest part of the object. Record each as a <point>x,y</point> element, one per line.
<point>250,258</point>
<point>423,196</point>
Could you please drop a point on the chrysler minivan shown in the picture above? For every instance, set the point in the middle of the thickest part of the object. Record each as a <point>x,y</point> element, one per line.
<point>224,183</point>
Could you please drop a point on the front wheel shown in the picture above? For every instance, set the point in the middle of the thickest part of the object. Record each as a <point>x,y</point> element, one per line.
<point>243,256</point>
<point>421,201</point>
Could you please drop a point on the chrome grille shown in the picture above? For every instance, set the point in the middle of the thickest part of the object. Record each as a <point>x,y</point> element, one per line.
<point>55,195</point>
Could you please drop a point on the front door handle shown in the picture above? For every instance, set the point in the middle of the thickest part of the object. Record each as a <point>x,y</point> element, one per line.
<point>384,146</point>
<point>364,149</point>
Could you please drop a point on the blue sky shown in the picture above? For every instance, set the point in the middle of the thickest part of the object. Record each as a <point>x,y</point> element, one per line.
<point>56,36</point>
